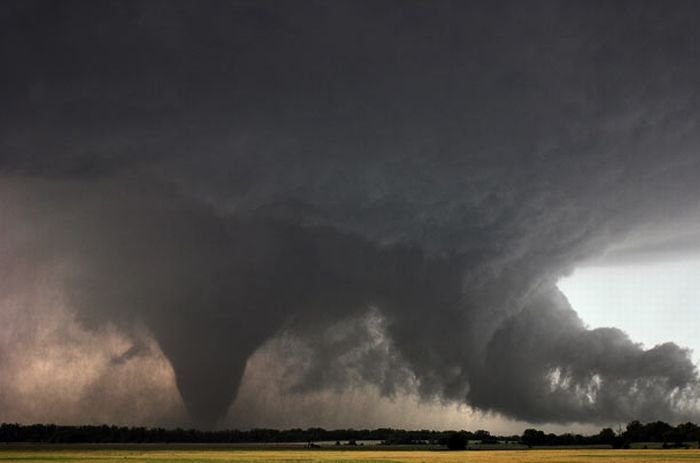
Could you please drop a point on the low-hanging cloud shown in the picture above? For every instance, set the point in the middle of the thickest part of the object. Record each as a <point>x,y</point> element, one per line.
<point>395,186</point>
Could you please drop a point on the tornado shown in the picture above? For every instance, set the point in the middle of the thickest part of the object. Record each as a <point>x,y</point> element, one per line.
<point>396,186</point>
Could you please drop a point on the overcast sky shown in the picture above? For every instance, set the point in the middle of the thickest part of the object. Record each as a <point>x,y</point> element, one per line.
<point>414,214</point>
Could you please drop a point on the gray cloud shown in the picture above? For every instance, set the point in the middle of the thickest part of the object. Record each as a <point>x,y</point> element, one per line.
<point>230,173</point>
<point>598,375</point>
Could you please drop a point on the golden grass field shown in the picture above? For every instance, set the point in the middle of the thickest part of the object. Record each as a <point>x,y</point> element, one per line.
<point>348,456</point>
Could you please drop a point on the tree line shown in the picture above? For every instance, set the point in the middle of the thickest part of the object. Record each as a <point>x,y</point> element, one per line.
<point>51,433</point>
<point>635,431</point>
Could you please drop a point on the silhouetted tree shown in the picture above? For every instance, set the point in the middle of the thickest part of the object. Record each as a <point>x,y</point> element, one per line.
<point>532,437</point>
<point>458,441</point>
<point>606,436</point>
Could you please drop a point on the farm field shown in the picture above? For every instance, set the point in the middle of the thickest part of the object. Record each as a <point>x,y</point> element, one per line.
<point>346,456</point>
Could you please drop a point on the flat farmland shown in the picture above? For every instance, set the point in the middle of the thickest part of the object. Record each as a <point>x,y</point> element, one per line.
<point>28,455</point>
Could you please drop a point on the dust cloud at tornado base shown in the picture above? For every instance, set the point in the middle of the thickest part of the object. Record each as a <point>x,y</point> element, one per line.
<point>390,207</point>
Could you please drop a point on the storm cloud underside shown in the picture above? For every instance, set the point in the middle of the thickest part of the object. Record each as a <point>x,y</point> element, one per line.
<point>394,188</point>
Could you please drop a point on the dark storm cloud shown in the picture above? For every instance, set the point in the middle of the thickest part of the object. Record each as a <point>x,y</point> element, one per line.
<point>551,375</point>
<point>226,172</point>
<point>680,241</point>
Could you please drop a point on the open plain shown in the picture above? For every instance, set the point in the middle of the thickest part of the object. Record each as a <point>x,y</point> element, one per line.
<point>152,455</point>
